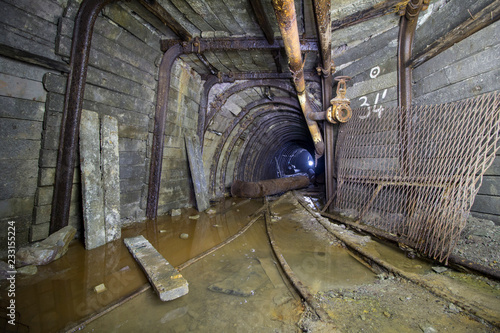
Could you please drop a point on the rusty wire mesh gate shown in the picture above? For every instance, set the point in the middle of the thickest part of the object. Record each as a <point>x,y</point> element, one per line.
<point>415,172</point>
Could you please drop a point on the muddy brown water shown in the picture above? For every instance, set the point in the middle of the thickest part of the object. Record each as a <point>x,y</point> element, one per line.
<point>238,288</point>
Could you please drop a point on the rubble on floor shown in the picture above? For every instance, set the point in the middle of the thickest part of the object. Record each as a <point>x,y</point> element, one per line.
<point>480,242</point>
<point>48,250</point>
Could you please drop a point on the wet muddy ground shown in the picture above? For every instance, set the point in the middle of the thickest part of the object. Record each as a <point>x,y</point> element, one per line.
<point>241,288</point>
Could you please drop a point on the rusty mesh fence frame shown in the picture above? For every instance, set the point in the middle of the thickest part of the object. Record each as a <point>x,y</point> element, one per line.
<point>415,172</point>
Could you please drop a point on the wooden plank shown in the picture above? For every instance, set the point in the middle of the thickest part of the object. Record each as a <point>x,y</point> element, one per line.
<point>161,19</point>
<point>18,39</point>
<point>486,204</point>
<point>188,12</point>
<point>224,14</point>
<point>132,24</point>
<point>21,109</point>
<point>380,9</point>
<point>12,86</point>
<point>197,172</point>
<point>451,24</point>
<point>110,177</point>
<point>28,23</point>
<point>168,283</point>
<point>262,20</point>
<point>490,186</point>
<point>48,10</point>
<point>203,10</point>
<point>480,42</point>
<point>33,59</point>
<point>92,195</point>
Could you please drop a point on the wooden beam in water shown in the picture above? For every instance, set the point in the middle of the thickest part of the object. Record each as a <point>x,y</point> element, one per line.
<point>168,283</point>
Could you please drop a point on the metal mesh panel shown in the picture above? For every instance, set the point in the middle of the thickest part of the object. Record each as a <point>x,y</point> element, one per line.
<point>415,172</point>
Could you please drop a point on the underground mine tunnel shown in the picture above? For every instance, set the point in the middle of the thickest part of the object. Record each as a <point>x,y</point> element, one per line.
<point>250,166</point>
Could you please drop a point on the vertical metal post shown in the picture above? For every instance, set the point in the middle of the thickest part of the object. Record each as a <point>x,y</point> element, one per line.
<point>323,24</point>
<point>165,71</point>
<point>73,101</point>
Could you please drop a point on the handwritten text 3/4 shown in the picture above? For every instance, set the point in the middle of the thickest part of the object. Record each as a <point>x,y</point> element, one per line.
<point>374,108</point>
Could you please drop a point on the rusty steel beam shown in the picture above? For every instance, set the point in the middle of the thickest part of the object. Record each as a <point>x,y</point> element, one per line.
<point>240,43</point>
<point>268,187</point>
<point>324,27</point>
<point>167,19</point>
<point>162,94</point>
<point>480,20</point>
<point>287,21</point>
<point>202,110</point>
<point>73,101</point>
<point>262,20</point>
<point>407,26</point>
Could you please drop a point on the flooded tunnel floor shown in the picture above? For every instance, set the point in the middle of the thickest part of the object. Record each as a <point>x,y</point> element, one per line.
<point>240,288</point>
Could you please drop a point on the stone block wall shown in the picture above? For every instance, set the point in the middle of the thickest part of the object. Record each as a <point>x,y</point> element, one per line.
<point>30,27</point>
<point>176,189</point>
<point>121,82</point>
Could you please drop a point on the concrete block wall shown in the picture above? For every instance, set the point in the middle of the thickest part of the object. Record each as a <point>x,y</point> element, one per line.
<point>121,82</point>
<point>31,27</point>
<point>176,189</point>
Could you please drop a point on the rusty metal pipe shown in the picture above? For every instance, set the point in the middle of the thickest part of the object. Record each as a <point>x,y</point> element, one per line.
<point>323,24</point>
<point>287,21</point>
<point>268,187</point>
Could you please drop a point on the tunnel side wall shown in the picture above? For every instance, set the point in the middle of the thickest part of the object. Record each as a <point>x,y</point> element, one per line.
<point>122,81</point>
<point>467,69</point>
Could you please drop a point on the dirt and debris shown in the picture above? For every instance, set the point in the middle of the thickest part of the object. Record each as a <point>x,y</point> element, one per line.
<point>480,242</point>
<point>395,305</point>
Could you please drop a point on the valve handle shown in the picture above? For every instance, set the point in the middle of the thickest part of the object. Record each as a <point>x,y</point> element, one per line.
<point>340,78</point>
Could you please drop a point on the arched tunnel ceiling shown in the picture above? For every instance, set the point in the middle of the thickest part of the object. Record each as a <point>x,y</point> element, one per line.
<point>237,144</point>
<point>353,22</point>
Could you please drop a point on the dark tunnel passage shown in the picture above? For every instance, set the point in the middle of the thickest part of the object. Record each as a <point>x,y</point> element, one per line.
<point>261,134</point>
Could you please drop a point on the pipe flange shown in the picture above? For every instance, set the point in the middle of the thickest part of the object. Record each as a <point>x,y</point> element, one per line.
<point>340,113</point>
<point>340,110</point>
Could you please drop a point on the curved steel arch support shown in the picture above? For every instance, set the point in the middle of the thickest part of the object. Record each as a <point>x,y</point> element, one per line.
<point>72,112</point>
<point>407,27</point>
<point>222,98</point>
<point>244,125</point>
<point>202,110</point>
<point>236,121</point>
<point>165,70</point>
